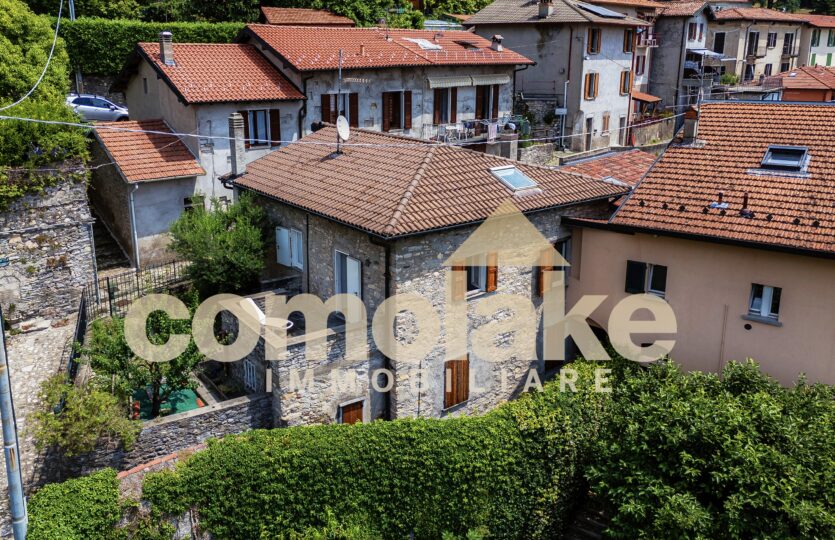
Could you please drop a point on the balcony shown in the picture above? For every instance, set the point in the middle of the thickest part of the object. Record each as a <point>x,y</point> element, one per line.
<point>755,52</point>
<point>648,40</point>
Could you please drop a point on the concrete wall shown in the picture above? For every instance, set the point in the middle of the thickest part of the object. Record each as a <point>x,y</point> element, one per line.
<point>46,252</point>
<point>157,205</point>
<point>709,287</point>
<point>668,59</point>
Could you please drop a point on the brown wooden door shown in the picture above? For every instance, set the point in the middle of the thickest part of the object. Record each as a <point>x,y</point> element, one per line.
<point>352,413</point>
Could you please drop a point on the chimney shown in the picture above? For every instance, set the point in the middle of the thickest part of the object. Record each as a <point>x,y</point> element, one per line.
<point>546,8</point>
<point>237,148</point>
<point>362,49</point>
<point>496,45</point>
<point>745,212</point>
<point>166,48</point>
<point>691,125</point>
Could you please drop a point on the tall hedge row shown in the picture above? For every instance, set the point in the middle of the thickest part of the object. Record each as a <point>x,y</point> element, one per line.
<point>514,471</point>
<point>101,46</point>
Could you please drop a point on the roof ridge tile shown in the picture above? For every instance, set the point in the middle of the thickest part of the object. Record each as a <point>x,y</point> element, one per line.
<point>410,189</point>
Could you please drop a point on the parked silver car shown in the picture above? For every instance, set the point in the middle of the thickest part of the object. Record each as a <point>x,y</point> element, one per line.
<point>91,107</point>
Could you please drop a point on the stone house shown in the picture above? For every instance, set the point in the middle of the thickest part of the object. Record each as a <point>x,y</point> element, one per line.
<point>761,42</point>
<point>585,58</point>
<point>145,178</point>
<point>387,216</point>
<point>734,227</point>
<point>419,83</point>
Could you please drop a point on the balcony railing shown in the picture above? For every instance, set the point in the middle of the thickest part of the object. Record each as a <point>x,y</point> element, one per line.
<point>755,52</point>
<point>648,40</point>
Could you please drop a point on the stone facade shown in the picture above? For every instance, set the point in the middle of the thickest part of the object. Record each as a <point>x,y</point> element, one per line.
<point>46,252</point>
<point>538,154</point>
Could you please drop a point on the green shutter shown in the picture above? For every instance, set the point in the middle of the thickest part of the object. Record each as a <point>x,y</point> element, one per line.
<point>814,58</point>
<point>829,59</point>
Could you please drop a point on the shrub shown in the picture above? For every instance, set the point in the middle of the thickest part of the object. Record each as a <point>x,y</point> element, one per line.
<point>111,9</point>
<point>102,46</point>
<point>225,246</point>
<point>699,456</point>
<point>513,472</point>
<point>363,12</point>
<point>729,79</point>
<point>77,509</point>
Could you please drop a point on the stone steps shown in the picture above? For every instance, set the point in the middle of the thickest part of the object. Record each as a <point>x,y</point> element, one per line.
<point>109,253</point>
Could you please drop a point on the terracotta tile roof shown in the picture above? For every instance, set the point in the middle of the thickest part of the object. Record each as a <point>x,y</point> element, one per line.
<point>460,17</point>
<point>408,187</point>
<point>755,14</point>
<point>796,212</point>
<point>221,72</point>
<point>304,17</point>
<point>629,166</point>
<point>643,96</point>
<point>809,77</point>
<point>147,156</point>
<point>309,49</point>
<point>527,12</point>
<point>682,9</point>
<point>631,3</point>
<point>820,21</point>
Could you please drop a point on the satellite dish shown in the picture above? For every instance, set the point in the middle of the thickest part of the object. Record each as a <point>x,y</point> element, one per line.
<point>342,128</point>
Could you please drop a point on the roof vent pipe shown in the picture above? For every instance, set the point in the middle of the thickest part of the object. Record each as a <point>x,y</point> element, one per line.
<point>166,48</point>
<point>496,45</point>
<point>237,147</point>
<point>546,8</point>
<point>745,212</point>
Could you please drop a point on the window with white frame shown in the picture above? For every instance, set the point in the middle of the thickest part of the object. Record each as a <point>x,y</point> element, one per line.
<point>644,277</point>
<point>347,274</point>
<point>765,301</point>
<point>288,247</point>
<point>250,377</point>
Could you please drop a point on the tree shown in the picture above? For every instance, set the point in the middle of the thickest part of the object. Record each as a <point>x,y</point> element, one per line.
<point>121,372</point>
<point>225,246</point>
<point>74,419</point>
<point>823,7</point>
<point>110,9</point>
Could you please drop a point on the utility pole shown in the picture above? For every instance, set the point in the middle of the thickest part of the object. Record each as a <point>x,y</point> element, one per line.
<point>79,84</point>
<point>11,448</point>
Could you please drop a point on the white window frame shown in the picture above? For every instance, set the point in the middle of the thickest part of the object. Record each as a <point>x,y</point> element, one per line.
<point>648,285</point>
<point>476,274</point>
<point>764,311</point>
<point>338,286</point>
<point>291,254</point>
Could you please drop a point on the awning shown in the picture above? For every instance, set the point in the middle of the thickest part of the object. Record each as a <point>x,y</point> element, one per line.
<point>646,98</point>
<point>449,82</point>
<point>706,52</point>
<point>499,78</point>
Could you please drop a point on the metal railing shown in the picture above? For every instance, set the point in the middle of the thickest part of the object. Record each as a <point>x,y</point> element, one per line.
<point>71,365</point>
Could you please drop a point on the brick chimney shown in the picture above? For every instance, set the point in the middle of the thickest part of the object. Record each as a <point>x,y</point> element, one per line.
<point>237,148</point>
<point>546,8</point>
<point>166,48</point>
<point>496,45</point>
<point>691,125</point>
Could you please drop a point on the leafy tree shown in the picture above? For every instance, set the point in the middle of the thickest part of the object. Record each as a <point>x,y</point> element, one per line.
<point>121,372</point>
<point>364,12</point>
<point>823,7</point>
<point>701,456</point>
<point>225,246</point>
<point>75,419</point>
<point>111,9</point>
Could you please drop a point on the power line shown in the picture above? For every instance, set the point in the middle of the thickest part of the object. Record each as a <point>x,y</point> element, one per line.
<point>48,61</point>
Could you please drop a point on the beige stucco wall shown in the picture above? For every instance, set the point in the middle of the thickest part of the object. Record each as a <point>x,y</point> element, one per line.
<point>708,287</point>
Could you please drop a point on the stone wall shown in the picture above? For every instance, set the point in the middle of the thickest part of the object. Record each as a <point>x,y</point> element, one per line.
<point>110,196</point>
<point>46,252</point>
<point>163,436</point>
<point>656,132</point>
<point>100,86</point>
<point>538,154</point>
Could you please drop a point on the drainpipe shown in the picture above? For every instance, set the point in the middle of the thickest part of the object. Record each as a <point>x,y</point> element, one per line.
<point>133,226</point>
<point>11,448</point>
<point>388,293</point>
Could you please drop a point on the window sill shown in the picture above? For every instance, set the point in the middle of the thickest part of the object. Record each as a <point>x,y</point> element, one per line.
<point>258,147</point>
<point>762,320</point>
<point>452,408</point>
<point>475,294</point>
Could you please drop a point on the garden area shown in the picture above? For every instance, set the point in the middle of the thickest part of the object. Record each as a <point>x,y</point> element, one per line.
<point>668,453</point>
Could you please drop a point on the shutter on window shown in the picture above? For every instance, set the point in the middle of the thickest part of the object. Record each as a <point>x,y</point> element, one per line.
<point>542,284</point>
<point>450,380</point>
<point>479,102</point>
<point>326,107</point>
<point>387,112</point>
<point>464,379</point>
<point>354,109</point>
<point>436,107</point>
<point>587,86</point>
<point>245,115</point>
<point>275,127</point>
<point>596,80</point>
<point>459,282</point>
<point>453,105</point>
<point>456,382</point>
<point>495,102</point>
<point>635,276</point>
<point>492,271</point>
<point>407,109</point>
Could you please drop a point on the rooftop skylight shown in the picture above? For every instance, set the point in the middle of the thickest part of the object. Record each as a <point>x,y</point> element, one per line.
<point>785,158</point>
<point>513,178</point>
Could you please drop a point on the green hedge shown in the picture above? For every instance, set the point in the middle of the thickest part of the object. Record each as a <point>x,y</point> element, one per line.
<point>514,471</point>
<point>77,509</point>
<point>102,46</point>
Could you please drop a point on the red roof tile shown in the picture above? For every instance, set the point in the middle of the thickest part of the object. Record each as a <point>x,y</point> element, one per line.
<point>755,14</point>
<point>631,3</point>
<point>408,187</point>
<point>789,211</point>
<point>808,77</point>
<point>629,166</point>
<point>221,72</point>
<point>304,17</point>
<point>309,49</point>
<point>682,9</point>
<point>147,156</point>
<point>821,21</point>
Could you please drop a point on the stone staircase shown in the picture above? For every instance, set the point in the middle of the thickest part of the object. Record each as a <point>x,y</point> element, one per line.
<point>109,254</point>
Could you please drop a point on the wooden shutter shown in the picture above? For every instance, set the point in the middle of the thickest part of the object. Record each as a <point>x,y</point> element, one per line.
<point>636,275</point>
<point>407,109</point>
<point>456,382</point>
<point>605,128</point>
<point>596,81</point>
<point>587,86</point>
<point>543,286</point>
<point>352,413</point>
<point>245,115</point>
<point>387,110</point>
<point>327,109</point>
<point>436,107</point>
<point>459,282</point>
<point>275,127</point>
<point>453,105</point>
<point>589,40</point>
<point>479,102</point>
<point>492,272</point>
<point>495,103</point>
<point>354,109</point>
